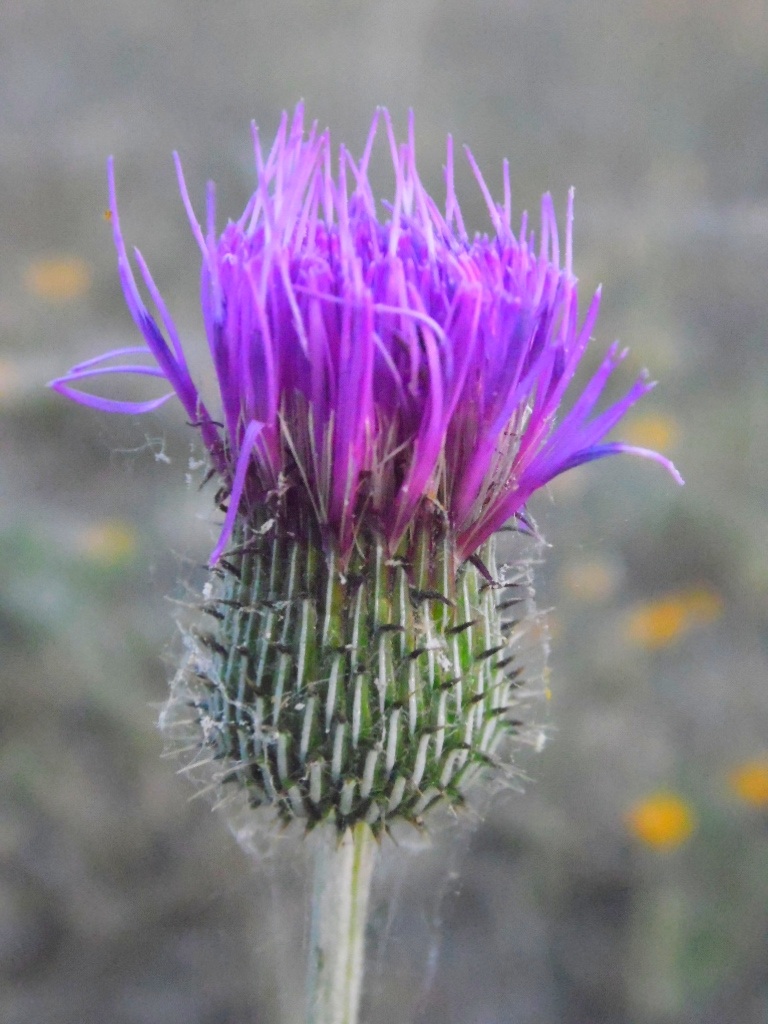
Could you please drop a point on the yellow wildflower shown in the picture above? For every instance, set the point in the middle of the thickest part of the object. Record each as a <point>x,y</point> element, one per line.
<point>658,623</point>
<point>661,820</point>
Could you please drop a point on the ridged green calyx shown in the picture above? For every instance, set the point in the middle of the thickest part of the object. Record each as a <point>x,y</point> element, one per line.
<point>367,692</point>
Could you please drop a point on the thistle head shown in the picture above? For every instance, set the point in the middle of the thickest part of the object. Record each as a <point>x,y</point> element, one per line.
<point>389,390</point>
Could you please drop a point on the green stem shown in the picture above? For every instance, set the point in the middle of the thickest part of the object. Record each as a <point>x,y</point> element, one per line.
<point>343,869</point>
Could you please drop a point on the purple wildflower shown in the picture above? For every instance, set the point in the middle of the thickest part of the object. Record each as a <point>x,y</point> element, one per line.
<point>388,397</point>
<point>377,371</point>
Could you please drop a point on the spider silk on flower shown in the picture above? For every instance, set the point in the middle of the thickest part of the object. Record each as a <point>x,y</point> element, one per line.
<point>389,394</point>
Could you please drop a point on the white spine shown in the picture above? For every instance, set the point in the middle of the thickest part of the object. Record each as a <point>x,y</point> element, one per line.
<point>421,759</point>
<point>302,654</point>
<point>338,750</point>
<point>412,707</point>
<point>441,719</point>
<point>330,700</point>
<point>368,773</point>
<point>328,599</point>
<point>347,796</point>
<point>282,756</point>
<point>397,794</point>
<point>357,701</point>
<point>316,782</point>
<point>391,754</point>
<point>381,682</point>
<point>277,700</point>
<point>447,772</point>
<point>306,728</point>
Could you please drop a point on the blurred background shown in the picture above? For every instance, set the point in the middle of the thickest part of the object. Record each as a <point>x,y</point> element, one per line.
<point>629,884</point>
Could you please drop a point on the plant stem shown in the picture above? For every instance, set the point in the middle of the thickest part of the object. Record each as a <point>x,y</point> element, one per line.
<point>343,869</point>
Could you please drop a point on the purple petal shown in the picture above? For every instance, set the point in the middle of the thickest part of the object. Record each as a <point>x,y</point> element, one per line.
<point>109,404</point>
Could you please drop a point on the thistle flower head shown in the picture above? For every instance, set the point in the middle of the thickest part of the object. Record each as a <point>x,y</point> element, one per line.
<point>377,365</point>
<point>388,392</point>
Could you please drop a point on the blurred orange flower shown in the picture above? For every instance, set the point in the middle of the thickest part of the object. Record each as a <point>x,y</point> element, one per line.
<point>661,820</point>
<point>659,623</point>
<point>58,279</point>
<point>110,543</point>
<point>654,430</point>
<point>591,579</point>
<point>749,782</point>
